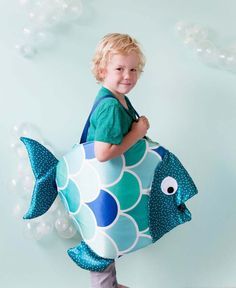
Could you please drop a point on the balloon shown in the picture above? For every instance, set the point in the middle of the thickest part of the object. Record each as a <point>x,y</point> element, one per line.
<point>29,230</point>
<point>62,224</point>
<point>68,233</point>
<point>23,185</point>
<point>19,209</point>
<point>28,185</point>
<point>23,168</point>
<point>26,50</point>
<point>44,17</point>
<point>27,129</point>
<point>13,184</point>
<point>20,151</point>
<point>43,229</point>
<point>206,50</point>
<point>196,37</point>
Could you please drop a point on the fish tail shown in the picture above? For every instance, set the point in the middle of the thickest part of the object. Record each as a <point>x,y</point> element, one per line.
<point>43,164</point>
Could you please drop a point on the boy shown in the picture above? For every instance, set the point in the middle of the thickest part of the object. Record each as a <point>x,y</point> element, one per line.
<point>117,65</point>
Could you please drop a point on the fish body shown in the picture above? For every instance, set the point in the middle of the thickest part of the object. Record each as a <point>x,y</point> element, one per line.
<point>120,205</point>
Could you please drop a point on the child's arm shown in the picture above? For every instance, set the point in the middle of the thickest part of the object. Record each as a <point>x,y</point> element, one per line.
<point>106,151</point>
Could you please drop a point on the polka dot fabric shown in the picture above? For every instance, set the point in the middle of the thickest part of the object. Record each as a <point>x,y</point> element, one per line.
<point>172,186</point>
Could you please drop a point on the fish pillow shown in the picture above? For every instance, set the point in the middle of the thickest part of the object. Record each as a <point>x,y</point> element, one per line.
<point>119,206</point>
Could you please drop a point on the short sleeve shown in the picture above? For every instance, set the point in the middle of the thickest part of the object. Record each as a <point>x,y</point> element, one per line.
<point>109,123</point>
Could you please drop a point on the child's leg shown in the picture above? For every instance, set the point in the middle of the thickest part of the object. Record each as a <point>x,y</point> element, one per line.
<point>105,279</point>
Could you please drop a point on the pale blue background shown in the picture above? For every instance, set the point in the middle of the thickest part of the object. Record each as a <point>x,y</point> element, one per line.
<point>192,110</point>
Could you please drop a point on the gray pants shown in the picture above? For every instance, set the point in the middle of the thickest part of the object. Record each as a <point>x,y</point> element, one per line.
<point>105,279</point>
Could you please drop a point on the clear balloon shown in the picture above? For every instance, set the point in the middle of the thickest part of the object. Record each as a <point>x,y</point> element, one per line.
<point>43,229</point>
<point>197,38</point>
<point>44,17</point>
<point>19,209</point>
<point>61,224</point>
<point>207,51</point>
<point>230,62</point>
<point>29,230</point>
<point>13,184</point>
<point>27,50</point>
<point>23,167</point>
<point>27,129</point>
<point>23,184</point>
<point>23,2</point>
<point>68,233</point>
<point>61,212</point>
<point>20,151</point>
<point>27,185</point>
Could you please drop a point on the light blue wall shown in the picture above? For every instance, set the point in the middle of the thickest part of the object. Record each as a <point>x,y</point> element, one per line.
<point>191,108</point>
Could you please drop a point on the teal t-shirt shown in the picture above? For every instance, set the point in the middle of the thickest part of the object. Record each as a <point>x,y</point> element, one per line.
<point>110,121</point>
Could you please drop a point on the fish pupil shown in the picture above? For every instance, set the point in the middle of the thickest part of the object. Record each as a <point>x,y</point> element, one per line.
<point>170,190</point>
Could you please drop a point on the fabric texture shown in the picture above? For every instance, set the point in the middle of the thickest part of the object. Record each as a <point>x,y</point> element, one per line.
<point>110,121</point>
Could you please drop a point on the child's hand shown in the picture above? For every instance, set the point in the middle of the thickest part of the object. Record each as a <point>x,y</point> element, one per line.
<point>140,128</point>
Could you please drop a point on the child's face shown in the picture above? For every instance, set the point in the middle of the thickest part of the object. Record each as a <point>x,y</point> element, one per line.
<point>121,73</point>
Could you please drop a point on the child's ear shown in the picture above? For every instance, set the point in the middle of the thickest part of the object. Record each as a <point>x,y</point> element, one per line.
<point>102,73</point>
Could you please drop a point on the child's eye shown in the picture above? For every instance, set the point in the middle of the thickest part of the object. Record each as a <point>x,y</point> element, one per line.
<point>133,70</point>
<point>119,69</point>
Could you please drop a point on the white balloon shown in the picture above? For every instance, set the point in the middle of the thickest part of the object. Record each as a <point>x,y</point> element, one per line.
<point>227,60</point>
<point>19,209</point>
<point>74,12</point>
<point>23,167</point>
<point>15,130</point>
<point>61,224</point>
<point>23,2</point>
<point>231,62</point>
<point>14,142</point>
<point>27,50</point>
<point>21,151</point>
<point>43,229</point>
<point>61,212</point>
<point>68,233</point>
<point>207,51</point>
<point>13,184</point>
<point>29,229</point>
<point>27,32</point>
<point>27,129</point>
<point>28,185</point>
<point>181,25</point>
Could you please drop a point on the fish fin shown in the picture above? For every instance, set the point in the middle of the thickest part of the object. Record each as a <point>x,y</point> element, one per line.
<point>87,259</point>
<point>43,164</point>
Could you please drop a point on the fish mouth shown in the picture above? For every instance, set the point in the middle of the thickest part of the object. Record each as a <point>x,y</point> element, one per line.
<point>182,207</point>
<point>186,214</point>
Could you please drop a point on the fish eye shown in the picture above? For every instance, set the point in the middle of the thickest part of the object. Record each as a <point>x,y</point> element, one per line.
<point>169,185</point>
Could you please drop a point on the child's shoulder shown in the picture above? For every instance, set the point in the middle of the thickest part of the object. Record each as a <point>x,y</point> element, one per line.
<point>108,105</point>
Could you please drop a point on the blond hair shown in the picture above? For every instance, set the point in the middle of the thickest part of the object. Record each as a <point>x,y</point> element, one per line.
<point>115,43</point>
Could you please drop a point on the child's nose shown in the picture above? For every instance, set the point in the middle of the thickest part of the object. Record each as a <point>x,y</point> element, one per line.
<point>126,74</point>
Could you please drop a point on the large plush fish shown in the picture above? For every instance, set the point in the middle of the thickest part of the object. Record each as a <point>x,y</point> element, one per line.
<point>120,205</point>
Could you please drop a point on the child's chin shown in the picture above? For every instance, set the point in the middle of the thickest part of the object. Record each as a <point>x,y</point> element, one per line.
<point>125,90</point>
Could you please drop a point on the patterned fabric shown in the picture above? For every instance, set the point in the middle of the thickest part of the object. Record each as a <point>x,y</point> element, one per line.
<point>108,201</point>
<point>120,205</point>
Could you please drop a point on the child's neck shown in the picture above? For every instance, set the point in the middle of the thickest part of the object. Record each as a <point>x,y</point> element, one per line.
<point>120,97</point>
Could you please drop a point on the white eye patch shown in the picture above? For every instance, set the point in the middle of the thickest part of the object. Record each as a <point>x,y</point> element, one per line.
<point>169,185</point>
